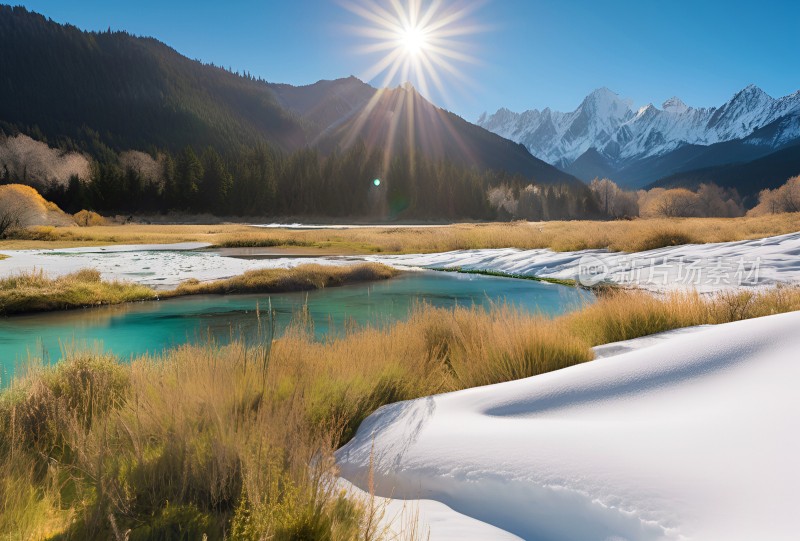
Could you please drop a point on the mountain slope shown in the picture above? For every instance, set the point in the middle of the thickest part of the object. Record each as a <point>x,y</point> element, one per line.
<point>59,83</point>
<point>399,119</point>
<point>748,178</point>
<point>324,104</point>
<point>96,91</point>
<point>605,137</point>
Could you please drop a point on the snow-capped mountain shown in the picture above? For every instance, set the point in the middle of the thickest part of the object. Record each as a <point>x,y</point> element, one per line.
<point>607,132</point>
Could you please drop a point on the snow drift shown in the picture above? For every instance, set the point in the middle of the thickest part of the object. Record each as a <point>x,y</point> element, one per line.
<point>690,437</point>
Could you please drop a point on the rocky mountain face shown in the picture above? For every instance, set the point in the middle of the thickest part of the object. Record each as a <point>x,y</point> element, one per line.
<point>605,136</point>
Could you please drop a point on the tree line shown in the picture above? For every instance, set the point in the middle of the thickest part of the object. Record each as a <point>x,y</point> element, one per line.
<point>263,181</point>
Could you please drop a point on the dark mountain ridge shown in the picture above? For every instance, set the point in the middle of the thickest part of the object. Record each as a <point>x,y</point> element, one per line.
<point>401,118</point>
<point>61,83</point>
<point>748,178</point>
<point>100,91</point>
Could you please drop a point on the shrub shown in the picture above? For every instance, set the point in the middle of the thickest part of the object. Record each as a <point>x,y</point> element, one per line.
<point>784,199</point>
<point>86,218</point>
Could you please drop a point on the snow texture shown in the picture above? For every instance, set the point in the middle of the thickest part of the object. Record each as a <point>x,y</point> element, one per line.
<point>691,435</point>
<point>161,266</point>
<point>703,267</point>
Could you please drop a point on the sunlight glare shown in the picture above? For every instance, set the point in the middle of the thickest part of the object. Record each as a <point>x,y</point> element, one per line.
<point>421,41</point>
<point>413,39</point>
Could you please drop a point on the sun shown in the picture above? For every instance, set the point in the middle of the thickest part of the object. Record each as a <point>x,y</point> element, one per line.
<point>423,42</point>
<point>413,40</point>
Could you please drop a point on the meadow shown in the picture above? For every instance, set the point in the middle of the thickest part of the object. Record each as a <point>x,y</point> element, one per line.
<point>237,442</point>
<point>620,235</point>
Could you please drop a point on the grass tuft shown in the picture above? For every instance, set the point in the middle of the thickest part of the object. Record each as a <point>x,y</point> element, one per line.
<point>36,292</point>
<point>663,238</point>
<point>300,278</point>
<point>501,274</point>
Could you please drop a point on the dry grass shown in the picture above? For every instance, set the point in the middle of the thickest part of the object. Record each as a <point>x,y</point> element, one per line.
<point>628,236</point>
<point>238,441</point>
<point>300,278</point>
<point>623,315</point>
<point>36,292</point>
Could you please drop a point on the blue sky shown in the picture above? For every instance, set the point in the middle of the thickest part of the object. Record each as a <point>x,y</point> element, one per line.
<point>528,53</point>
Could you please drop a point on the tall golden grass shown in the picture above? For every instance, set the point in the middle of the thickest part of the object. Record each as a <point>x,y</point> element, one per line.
<point>36,292</point>
<point>634,235</point>
<point>238,441</point>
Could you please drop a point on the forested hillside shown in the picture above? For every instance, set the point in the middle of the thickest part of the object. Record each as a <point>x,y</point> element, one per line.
<point>149,130</point>
<point>90,90</point>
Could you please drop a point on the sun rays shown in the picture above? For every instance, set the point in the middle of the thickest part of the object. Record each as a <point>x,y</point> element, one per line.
<point>423,42</point>
<point>427,43</point>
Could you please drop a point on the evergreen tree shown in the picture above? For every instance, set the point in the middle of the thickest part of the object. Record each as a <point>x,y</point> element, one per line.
<point>169,190</point>
<point>215,183</point>
<point>75,197</point>
<point>188,173</point>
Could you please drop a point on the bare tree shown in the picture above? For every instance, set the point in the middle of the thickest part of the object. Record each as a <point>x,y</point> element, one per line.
<point>615,202</point>
<point>605,192</point>
<point>789,195</point>
<point>33,162</point>
<point>626,205</point>
<point>12,215</point>
<point>22,206</point>
<point>786,198</point>
<point>715,201</point>
<point>502,198</point>
<point>673,203</point>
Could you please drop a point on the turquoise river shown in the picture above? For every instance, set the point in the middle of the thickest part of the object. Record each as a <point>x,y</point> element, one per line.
<point>151,327</point>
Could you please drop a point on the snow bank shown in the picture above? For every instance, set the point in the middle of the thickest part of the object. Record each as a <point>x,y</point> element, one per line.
<point>692,436</point>
<point>155,265</point>
<point>426,519</point>
<point>704,267</point>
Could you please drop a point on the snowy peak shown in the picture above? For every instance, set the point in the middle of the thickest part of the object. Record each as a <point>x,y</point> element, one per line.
<point>607,123</point>
<point>752,91</point>
<point>605,104</point>
<point>675,105</point>
<point>748,110</point>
